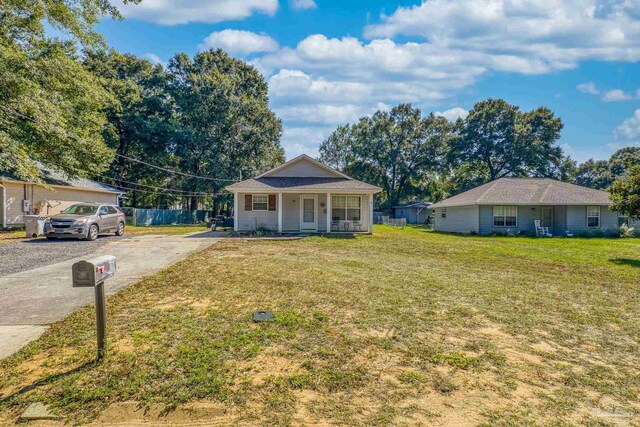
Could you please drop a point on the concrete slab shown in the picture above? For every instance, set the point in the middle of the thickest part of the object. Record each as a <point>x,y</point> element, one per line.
<point>38,411</point>
<point>13,337</point>
<point>44,295</point>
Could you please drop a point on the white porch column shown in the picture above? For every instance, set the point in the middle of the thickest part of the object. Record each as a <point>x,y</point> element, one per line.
<point>328,212</point>
<point>236,210</point>
<point>371,213</point>
<point>279,212</point>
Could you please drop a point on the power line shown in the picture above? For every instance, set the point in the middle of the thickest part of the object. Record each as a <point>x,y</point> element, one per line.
<point>120,187</point>
<point>160,188</point>
<point>174,171</point>
<point>31,119</point>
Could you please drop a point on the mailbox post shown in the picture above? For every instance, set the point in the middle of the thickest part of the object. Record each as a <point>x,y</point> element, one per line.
<point>92,274</point>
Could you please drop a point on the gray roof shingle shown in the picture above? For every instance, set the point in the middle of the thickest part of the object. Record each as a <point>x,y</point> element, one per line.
<point>527,191</point>
<point>302,183</point>
<point>52,177</point>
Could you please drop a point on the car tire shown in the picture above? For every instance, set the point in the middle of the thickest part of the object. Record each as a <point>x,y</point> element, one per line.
<point>92,234</point>
<point>120,229</point>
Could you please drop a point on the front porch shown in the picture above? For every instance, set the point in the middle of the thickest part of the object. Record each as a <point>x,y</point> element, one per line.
<point>308,212</point>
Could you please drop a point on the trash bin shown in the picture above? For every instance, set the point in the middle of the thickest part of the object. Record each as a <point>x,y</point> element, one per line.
<point>34,225</point>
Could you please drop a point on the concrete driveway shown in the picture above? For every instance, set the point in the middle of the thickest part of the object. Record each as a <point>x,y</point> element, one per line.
<point>32,299</point>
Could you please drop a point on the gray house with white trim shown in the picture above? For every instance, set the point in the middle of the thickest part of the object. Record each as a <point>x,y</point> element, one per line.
<point>513,204</point>
<point>415,212</point>
<point>303,195</point>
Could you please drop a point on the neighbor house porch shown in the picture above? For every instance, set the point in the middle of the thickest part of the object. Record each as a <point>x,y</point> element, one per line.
<point>304,212</point>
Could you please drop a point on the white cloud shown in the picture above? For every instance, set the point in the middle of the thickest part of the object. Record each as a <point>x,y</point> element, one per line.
<point>239,42</point>
<point>523,35</point>
<point>168,12</point>
<point>303,4</point>
<point>611,95</point>
<point>154,59</point>
<point>304,140</point>
<point>615,95</point>
<point>589,88</point>
<point>629,130</point>
<point>453,114</point>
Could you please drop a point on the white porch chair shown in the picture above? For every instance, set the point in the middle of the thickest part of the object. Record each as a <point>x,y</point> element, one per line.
<point>541,231</point>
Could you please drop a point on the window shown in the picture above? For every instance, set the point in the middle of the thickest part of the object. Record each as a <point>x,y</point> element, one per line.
<point>622,220</point>
<point>260,202</point>
<point>593,216</point>
<point>112,210</point>
<point>444,212</point>
<point>103,210</point>
<point>505,216</point>
<point>346,208</point>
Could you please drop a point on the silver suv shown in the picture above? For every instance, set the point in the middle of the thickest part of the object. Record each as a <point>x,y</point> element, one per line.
<point>85,221</point>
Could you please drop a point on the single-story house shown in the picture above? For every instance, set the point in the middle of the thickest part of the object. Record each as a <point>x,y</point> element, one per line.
<point>303,195</point>
<point>515,203</point>
<point>416,212</point>
<point>19,198</point>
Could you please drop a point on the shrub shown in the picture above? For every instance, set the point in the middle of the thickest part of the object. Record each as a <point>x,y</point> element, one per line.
<point>626,231</point>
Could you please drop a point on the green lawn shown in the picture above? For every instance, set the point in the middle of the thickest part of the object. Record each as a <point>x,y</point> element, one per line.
<point>163,229</point>
<point>403,327</point>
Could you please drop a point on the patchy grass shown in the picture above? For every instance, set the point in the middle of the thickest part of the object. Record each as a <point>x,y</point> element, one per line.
<point>135,230</point>
<point>403,327</point>
<point>9,236</point>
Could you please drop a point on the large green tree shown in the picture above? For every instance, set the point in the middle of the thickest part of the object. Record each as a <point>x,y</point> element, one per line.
<point>143,125</point>
<point>50,105</point>
<point>226,127</point>
<point>497,139</point>
<point>625,193</point>
<point>398,150</point>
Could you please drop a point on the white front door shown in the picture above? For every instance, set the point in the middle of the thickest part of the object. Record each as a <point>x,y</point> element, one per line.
<point>308,213</point>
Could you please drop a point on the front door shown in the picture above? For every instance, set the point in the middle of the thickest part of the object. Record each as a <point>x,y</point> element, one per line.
<point>308,213</point>
<point>547,218</point>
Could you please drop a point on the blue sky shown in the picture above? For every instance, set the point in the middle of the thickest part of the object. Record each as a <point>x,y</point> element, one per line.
<point>329,62</point>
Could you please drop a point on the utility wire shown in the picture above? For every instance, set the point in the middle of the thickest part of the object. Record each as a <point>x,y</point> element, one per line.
<point>120,187</point>
<point>160,188</point>
<point>31,119</point>
<point>175,171</point>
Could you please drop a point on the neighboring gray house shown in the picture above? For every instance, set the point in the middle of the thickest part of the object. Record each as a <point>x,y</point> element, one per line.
<point>415,212</point>
<point>303,195</point>
<point>515,203</point>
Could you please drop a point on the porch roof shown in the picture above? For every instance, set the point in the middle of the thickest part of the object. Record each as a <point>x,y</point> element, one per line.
<point>302,184</point>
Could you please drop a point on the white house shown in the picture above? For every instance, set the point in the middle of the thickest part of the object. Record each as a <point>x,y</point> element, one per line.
<point>303,195</point>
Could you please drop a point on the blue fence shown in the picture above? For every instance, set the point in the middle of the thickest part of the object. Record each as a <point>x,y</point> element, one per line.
<point>166,216</point>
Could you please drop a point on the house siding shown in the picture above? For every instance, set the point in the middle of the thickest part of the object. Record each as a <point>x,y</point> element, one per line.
<point>303,169</point>
<point>577,219</point>
<point>459,219</point>
<point>247,220</point>
<point>58,198</point>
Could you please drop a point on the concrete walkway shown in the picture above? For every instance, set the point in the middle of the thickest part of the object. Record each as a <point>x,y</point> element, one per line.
<point>30,300</point>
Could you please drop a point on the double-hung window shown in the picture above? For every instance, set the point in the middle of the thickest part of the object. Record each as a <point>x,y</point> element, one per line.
<point>622,220</point>
<point>260,202</point>
<point>593,216</point>
<point>346,208</point>
<point>505,216</point>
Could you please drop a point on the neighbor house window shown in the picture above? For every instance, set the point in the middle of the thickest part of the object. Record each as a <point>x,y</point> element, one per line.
<point>346,208</point>
<point>622,220</point>
<point>260,202</point>
<point>444,213</point>
<point>505,216</point>
<point>593,216</point>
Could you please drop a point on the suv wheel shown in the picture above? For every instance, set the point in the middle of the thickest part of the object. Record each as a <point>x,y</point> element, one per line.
<point>120,229</point>
<point>93,232</point>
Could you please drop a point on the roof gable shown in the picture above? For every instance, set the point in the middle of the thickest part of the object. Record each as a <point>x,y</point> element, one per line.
<point>528,191</point>
<point>302,167</point>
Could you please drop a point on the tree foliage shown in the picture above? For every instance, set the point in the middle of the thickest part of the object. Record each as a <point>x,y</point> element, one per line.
<point>601,174</point>
<point>51,106</point>
<point>497,139</point>
<point>625,193</point>
<point>398,150</point>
